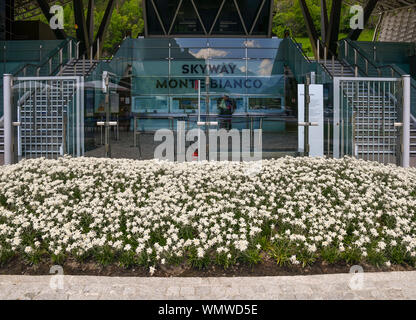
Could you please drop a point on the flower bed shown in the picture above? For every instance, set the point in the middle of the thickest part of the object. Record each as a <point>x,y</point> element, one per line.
<point>294,211</point>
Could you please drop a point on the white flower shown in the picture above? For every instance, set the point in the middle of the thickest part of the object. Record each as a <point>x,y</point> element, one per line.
<point>28,250</point>
<point>152,270</point>
<point>293,260</point>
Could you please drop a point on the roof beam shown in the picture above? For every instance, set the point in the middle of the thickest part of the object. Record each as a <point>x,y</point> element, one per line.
<point>333,27</point>
<point>90,20</point>
<point>103,26</point>
<point>310,27</point>
<point>81,29</point>
<point>324,20</point>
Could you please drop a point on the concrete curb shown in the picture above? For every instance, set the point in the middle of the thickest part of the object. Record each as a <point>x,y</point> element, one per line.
<point>395,285</point>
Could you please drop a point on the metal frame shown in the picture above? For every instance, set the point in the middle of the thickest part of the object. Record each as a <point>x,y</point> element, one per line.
<point>404,152</point>
<point>207,30</point>
<point>11,113</point>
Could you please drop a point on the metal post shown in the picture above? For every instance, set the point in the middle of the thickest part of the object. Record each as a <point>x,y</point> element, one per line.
<point>77,50</point>
<point>107,116</point>
<point>70,50</point>
<point>329,137</point>
<point>313,77</point>
<point>406,121</point>
<point>355,62</point>
<point>8,120</point>
<point>199,119</point>
<point>318,50</point>
<point>61,59</point>
<point>346,49</point>
<point>306,113</point>
<point>98,49</point>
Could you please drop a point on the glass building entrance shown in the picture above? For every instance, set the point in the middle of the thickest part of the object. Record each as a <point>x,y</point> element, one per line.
<point>154,86</point>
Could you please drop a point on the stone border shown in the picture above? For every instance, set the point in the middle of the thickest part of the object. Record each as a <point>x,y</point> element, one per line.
<point>394,285</point>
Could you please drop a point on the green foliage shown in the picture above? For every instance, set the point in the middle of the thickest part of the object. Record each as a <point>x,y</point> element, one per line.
<point>289,17</point>
<point>127,18</point>
<point>251,256</point>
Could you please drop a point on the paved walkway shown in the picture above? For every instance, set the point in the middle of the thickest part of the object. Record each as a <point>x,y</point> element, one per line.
<point>396,285</point>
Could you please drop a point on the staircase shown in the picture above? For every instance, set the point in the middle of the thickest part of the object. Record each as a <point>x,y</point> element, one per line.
<point>375,136</point>
<point>43,117</point>
<point>337,68</point>
<point>42,126</point>
<point>79,67</point>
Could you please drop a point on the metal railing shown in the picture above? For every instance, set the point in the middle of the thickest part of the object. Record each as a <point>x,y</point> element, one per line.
<point>372,119</point>
<point>51,64</point>
<point>43,117</point>
<point>366,66</point>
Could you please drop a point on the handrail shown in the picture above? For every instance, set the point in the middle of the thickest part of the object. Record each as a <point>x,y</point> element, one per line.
<point>391,66</point>
<point>47,60</point>
<point>300,49</point>
<point>357,51</point>
<point>333,55</point>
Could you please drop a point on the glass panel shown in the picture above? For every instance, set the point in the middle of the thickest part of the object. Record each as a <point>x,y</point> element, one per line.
<point>236,101</point>
<point>227,53</point>
<point>187,105</point>
<point>154,27</point>
<point>263,43</point>
<point>227,42</point>
<point>227,67</point>
<point>265,67</point>
<point>153,68</point>
<point>262,24</point>
<point>155,85</point>
<point>260,104</point>
<point>157,104</point>
<point>249,9</point>
<point>229,21</point>
<point>187,21</point>
<point>262,53</point>
<point>189,68</point>
<point>151,54</point>
<point>190,53</point>
<point>189,42</point>
<point>167,10</point>
<point>133,44</point>
<point>208,10</point>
